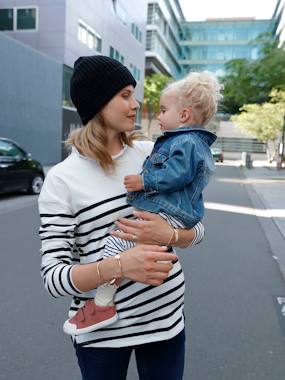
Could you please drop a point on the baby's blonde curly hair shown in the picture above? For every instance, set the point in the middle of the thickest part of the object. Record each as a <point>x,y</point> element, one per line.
<point>200,91</point>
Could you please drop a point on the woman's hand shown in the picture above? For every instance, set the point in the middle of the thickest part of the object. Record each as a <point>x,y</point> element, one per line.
<point>152,229</point>
<point>149,264</point>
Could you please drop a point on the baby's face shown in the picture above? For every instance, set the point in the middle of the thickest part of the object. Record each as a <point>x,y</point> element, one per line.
<point>169,115</point>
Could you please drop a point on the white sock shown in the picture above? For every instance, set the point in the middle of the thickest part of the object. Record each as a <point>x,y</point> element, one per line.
<point>105,295</point>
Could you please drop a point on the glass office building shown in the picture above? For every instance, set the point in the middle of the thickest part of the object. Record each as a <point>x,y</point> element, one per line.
<point>208,45</point>
<point>163,49</point>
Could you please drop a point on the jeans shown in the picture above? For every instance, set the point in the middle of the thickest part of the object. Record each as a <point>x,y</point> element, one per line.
<point>157,360</point>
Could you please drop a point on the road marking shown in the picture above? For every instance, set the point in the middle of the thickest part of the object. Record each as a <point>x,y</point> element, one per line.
<point>268,213</point>
<point>279,302</point>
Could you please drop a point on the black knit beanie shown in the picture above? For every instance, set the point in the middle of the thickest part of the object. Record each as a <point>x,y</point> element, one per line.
<point>95,80</point>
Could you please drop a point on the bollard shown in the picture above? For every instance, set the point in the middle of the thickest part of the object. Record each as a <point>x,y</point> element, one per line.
<point>246,160</point>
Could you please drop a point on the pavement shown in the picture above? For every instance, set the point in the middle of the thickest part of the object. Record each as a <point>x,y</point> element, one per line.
<point>266,188</point>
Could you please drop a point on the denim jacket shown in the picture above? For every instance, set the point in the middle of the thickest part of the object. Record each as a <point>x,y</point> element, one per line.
<point>175,174</point>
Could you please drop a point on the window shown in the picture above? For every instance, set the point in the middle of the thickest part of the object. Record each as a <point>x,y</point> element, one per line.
<point>9,149</point>
<point>114,53</point>
<point>89,37</point>
<point>19,18</point>
<point>6,19</point>
<point>136,32</point>
<point>26,18</point>
<point>120,12</point>
<point>135,71</point>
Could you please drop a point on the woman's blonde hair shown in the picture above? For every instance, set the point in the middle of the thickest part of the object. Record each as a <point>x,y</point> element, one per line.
<point>91,141</point>
<point>200,91</point>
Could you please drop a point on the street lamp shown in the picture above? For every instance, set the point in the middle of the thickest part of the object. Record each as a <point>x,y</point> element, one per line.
<point>281,148</point>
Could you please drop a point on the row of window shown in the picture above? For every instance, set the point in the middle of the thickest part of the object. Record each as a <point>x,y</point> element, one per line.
<point>225,32</point>
<point>155,44</point>
<point>136,32</point>
<point>18,18</point>
<point>89,37</point>
<point>114,53</point>
<point>222,52</point>
<point>135,71</point>
<point>122,15</point>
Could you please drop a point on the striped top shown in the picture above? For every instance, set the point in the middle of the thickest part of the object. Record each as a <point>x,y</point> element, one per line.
<point>78,205</point>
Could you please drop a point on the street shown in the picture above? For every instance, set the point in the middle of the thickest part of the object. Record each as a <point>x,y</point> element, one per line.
<point>233,325</point>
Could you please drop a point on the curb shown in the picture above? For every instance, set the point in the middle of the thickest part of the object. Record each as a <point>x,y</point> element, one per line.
<point>273,233</point>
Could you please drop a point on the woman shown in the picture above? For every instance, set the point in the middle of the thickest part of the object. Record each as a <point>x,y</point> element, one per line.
<point>81,199</point>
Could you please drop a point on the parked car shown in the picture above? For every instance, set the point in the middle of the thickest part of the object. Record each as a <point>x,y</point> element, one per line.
<point>18,170</point>
<point>217,154</point>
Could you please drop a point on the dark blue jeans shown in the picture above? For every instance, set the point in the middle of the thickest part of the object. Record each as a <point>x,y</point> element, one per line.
<point>158,360</point>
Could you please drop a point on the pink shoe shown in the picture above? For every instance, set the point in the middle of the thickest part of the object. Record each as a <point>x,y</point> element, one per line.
<point>90,318</point>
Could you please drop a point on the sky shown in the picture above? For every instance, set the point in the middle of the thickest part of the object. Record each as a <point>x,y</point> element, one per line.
<point>199,10</point>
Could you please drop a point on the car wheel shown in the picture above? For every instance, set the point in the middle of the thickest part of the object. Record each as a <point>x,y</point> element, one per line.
<point>36,184</point>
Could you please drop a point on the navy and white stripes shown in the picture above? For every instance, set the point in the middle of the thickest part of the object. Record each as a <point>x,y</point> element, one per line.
<point>79,203</point>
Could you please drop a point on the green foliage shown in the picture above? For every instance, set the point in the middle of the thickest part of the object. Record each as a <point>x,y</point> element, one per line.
<point>248,82</point>
<point>153,85</point>
<point>263,121</point>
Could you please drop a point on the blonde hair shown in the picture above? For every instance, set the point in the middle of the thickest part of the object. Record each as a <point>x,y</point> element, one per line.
<point>91,141</point>
<point>200,91</point>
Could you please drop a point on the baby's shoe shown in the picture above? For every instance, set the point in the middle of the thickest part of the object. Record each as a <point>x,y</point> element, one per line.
<point>90,318</point>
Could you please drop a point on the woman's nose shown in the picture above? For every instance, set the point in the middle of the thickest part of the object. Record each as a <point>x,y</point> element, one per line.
<point>135,104</point>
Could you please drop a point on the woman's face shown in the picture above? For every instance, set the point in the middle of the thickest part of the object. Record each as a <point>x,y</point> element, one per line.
<point>119,113</point>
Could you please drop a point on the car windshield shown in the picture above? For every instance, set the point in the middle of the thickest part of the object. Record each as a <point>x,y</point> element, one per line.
<point>8,149</point>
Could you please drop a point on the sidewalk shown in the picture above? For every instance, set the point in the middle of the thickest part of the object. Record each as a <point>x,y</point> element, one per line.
<point>266,187</point>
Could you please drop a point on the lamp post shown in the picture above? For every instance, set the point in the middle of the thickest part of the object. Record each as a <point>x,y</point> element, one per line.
<point>281,148</point>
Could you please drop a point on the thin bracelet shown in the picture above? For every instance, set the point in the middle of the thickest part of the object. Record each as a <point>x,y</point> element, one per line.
<point>176,236</point>
<point>98,271</point>
<point>173,233</point>
<point>118,259</point>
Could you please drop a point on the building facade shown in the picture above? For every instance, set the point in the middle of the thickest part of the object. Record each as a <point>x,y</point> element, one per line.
<point>279,17</point>
<point>30,98</point>
<point>208,45</point>
<point>67,29</point>
<point>163,49</point>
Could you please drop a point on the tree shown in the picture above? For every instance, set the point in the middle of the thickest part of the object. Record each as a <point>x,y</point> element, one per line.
<point>153,85</point>
<point>264,121</point>
<point>250,82</point>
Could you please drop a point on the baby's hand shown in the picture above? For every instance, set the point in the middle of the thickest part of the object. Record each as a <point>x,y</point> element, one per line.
<point>133,182</point>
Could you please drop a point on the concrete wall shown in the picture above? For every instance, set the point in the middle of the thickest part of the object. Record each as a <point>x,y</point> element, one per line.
<point>30,99</point>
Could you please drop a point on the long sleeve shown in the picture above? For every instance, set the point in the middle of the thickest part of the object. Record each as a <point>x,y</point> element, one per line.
<point>175,172</point>
<point>57,236</point>
<point>199,233</point>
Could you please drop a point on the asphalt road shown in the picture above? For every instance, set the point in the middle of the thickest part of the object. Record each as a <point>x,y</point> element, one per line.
<point>234,329</point>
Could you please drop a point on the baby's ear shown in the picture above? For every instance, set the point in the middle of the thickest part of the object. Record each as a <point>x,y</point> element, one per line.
<point>186,114</point>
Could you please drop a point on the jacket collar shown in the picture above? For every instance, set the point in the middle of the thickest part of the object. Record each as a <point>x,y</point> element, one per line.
<point>205,135</point>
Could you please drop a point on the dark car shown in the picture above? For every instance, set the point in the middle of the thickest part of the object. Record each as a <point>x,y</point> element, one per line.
<point>217,154</point>
<point>18,170</point>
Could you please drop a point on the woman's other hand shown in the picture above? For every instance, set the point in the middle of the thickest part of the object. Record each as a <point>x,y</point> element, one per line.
<point>149,264</point>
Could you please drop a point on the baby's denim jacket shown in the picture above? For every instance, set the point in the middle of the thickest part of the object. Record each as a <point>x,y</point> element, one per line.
<point>175,174</point>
